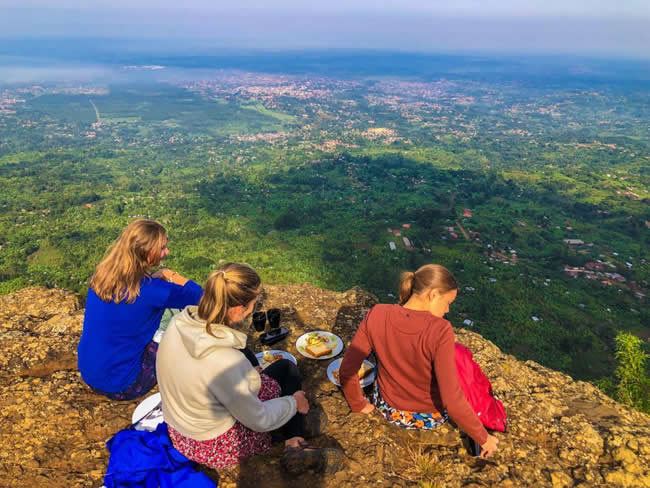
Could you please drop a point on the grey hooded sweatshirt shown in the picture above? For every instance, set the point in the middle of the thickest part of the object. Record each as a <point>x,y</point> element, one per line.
<point>207,383</point>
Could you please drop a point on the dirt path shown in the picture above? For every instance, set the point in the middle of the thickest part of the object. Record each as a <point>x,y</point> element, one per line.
<point>462,230</point>
<point>99,120</point>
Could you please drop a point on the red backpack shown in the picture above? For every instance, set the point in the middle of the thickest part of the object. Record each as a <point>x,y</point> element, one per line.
<point>478,391</point>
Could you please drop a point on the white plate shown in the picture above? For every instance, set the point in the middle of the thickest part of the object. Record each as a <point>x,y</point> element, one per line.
<point>336,364</point>
<point>284,354</point>
<point>157,337</point>
<point>145,406</point>
<point>335,343</point>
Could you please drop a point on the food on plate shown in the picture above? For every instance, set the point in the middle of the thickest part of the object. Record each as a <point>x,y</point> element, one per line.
<point>316,339</point>
<point>318,349</point>
<point>269,357</point>
<point>364,371</point>
<point>318,345</point>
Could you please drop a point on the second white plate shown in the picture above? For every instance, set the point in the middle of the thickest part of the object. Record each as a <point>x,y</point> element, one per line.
<point>275,352</point>
<point>336,364</point>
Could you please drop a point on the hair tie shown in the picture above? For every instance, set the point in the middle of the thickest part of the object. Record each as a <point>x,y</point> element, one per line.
<point>221,272</point>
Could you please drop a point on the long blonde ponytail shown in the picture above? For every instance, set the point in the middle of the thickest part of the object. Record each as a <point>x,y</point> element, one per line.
<point>231,285</point>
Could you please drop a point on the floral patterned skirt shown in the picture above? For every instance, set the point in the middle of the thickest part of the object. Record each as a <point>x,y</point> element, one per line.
<point>404,419</point>
<point>145,381</point>
<point>234,445</point>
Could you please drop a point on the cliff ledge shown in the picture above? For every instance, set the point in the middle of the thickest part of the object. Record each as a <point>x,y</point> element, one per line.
<point>562,433</point>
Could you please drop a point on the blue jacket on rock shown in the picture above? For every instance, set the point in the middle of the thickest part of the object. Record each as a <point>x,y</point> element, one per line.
<point>149,460</point>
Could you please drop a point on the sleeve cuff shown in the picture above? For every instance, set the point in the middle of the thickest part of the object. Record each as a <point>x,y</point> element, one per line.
<point>482,438</point>
<point>294,405</point>
<point>193,285</point>
<point>195,288</point>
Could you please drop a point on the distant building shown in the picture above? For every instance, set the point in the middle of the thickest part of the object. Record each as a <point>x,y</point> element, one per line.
<point>594,265</point>
<point>574,242</point>
<point>407,243</point>
<point>392,246</point>
<point>406,226</point>
<point>571,271</point>
<point>467,213</point>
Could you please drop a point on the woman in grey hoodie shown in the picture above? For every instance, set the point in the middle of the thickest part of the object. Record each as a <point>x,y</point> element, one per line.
<point>218,406</point>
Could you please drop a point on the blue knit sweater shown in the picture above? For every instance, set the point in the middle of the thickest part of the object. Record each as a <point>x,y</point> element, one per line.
<point>115,334</point>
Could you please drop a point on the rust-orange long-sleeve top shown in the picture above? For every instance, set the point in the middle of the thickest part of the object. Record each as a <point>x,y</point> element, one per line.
<point>417,369</point>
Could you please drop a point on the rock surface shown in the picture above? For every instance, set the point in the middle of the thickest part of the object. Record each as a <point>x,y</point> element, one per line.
<point>562,433</point>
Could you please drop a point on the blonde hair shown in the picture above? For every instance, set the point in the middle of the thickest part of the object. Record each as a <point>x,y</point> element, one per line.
<point>117,277</point>
<point>231,285</point>
<point>427,277</point>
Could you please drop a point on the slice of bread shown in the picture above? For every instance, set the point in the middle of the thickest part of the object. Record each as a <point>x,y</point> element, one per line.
<point>318,350</point>
<point>365,370</point>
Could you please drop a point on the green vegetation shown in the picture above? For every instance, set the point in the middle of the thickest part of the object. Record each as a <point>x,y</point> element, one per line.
<point>258,107</point>
<point>633,380</point>
<point>303,178</point>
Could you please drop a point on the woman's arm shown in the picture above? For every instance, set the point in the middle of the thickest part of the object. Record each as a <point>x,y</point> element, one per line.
<point>171,276</point>
<point>173,295</point>
<point>234,389</point>
<point>453,397</point>
<point>349,371</point>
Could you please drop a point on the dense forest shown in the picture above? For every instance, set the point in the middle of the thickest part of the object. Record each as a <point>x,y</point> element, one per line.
<point>534,194</point>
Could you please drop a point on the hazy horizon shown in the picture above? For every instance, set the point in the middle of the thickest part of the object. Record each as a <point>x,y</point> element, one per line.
<point>581,28</point>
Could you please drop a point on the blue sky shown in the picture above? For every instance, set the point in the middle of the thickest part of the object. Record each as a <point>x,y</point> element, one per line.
<point>528,26</point>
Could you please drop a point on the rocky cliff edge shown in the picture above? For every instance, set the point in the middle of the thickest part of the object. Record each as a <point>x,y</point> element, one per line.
<point>562,433</point>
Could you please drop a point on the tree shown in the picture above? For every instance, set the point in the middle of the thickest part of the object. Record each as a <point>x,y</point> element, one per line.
<point>289,220</point>
<point>633,382</point>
